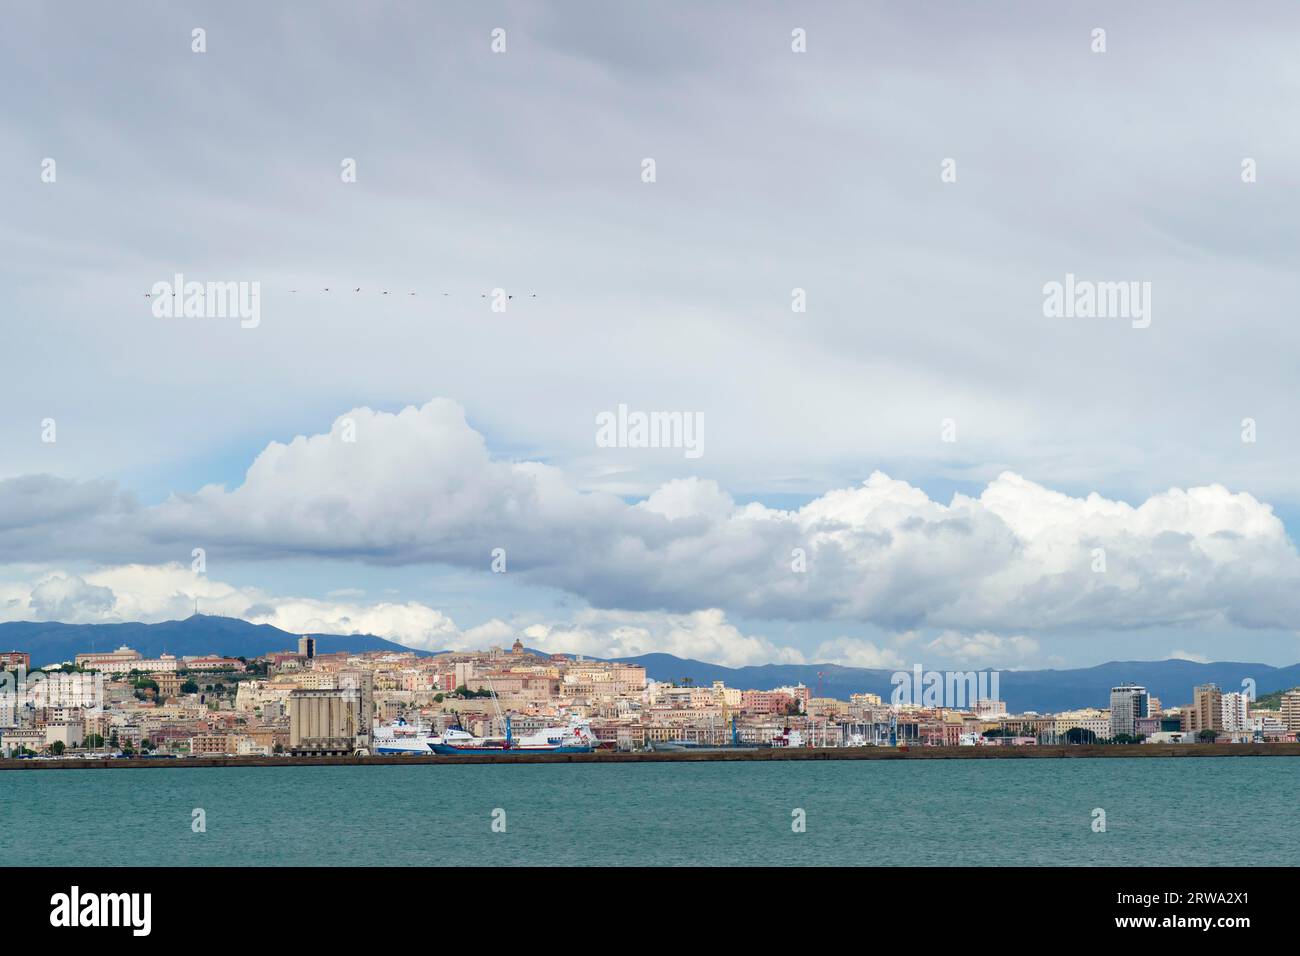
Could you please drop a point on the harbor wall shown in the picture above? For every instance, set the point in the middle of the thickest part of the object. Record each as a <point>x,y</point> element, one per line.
<point>689,756</point>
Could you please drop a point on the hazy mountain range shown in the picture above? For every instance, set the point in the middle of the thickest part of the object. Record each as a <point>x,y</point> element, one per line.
<point>1042,690</point>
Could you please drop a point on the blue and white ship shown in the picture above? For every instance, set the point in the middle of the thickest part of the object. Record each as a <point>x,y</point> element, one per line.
<point>401,737</point>
<point>574,738</point>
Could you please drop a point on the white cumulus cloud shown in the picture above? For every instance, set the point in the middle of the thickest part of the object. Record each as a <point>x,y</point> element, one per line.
<point>419,486</point>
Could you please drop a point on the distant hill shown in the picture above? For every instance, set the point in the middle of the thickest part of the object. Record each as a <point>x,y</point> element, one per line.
<point>1044,690</point>
<point>52,643</point>
<point>1271,701</point>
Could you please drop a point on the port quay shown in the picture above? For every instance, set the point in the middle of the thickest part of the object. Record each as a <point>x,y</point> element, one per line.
<point>686,756</point>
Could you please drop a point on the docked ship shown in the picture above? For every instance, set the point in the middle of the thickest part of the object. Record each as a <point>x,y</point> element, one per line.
<point>575,738</point>
<point>401,737</point>
<point>788,738</point>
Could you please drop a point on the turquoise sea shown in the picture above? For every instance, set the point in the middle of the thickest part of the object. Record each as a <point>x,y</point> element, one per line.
<point>1183,811</point>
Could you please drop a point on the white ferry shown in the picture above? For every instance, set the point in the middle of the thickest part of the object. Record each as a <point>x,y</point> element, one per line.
<point>574,738</point>
<point>401,737</point>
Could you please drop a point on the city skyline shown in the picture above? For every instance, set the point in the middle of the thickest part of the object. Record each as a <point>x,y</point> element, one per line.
<point>307,702</point>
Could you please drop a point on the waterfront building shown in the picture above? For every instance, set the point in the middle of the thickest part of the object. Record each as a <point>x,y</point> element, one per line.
<point>1149,726</point>
<point>70,734</point>
<point>1171,737</point>
<point>1128,703</point>
<point>1090,719</point>
<point>1206,710</point>
<point>1291,709</point>
<point>207,745</point>
<point>12,660</point>
<point>26,738</point>
<point>1268,725</point>
<point>1236,719</point>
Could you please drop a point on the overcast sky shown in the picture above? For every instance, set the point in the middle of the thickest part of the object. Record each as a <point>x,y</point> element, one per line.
<point>775,170</point>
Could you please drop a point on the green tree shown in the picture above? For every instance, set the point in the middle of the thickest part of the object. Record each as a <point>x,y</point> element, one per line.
<point>56,748</point>
<point>1207,736</point>
<point>189,687</point>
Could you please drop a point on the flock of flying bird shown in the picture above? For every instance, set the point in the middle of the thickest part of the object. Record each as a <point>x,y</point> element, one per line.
<point>482,295</point>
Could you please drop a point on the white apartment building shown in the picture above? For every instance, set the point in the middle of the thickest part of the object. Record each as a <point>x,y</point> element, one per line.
<point>1235,719</point>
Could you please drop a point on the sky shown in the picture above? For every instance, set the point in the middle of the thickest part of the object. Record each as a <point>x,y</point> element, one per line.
<point>837,271</point>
